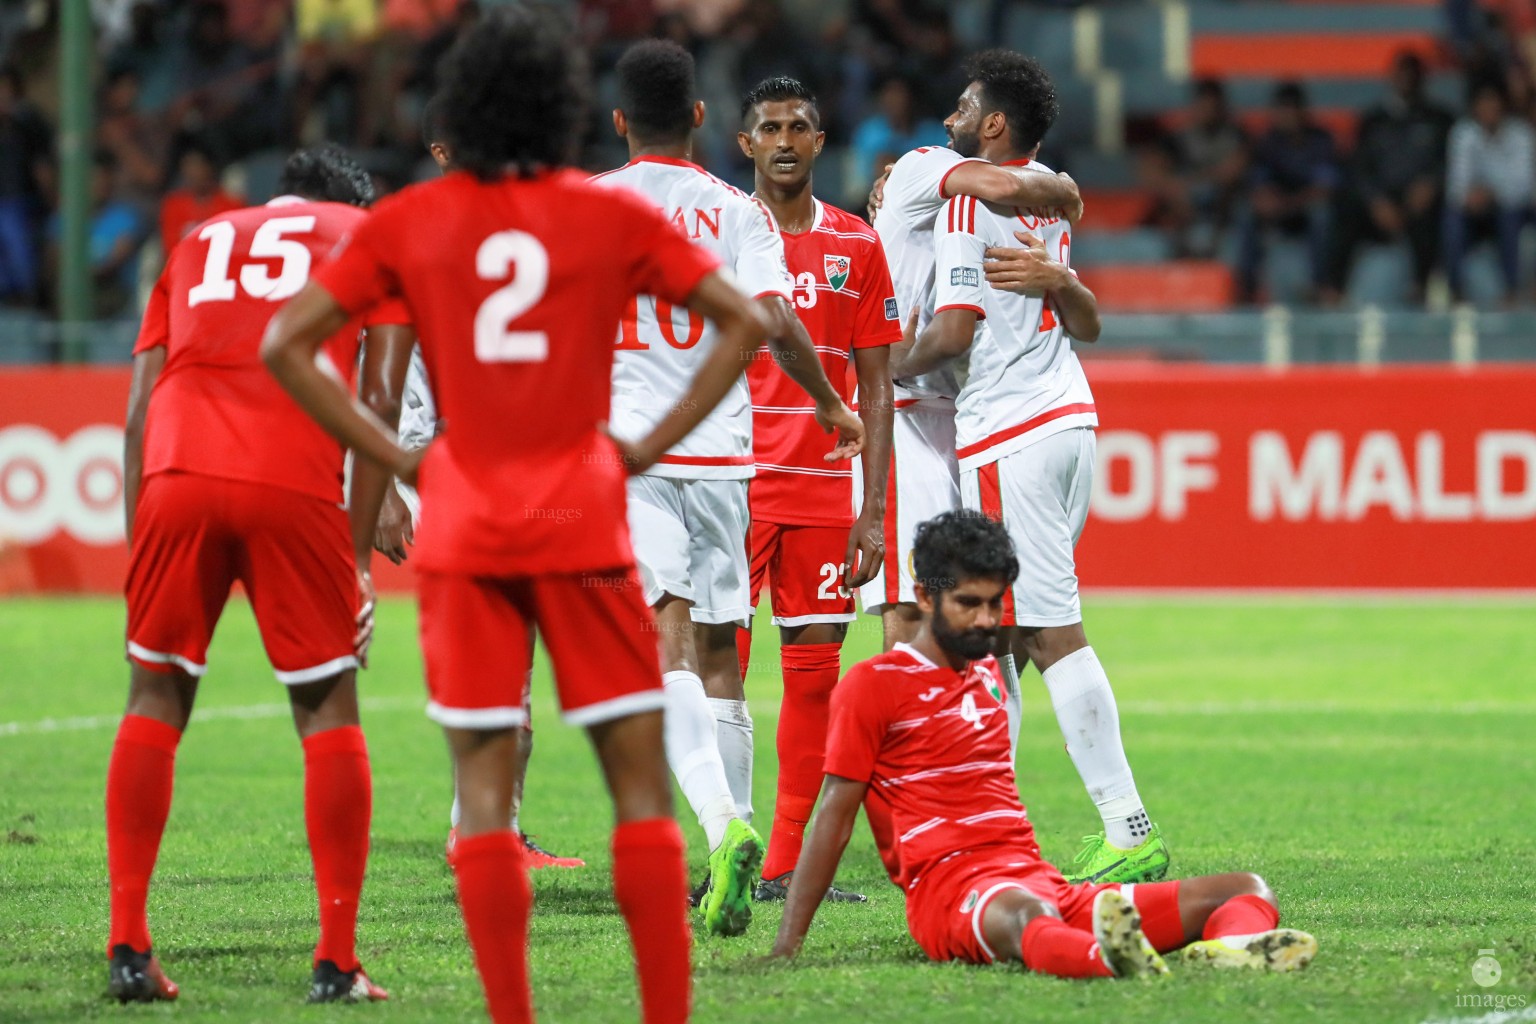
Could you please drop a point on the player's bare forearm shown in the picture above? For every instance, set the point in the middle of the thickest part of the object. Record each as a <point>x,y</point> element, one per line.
<point>381,383</point>
<point>146,370</point>
<point>1016,186</point>
<point>1078,309</point>
<point>742,329</point>
<point>796,355</point>
<point>877,404</point>
<point>291,350</point>
<point>840,800</point>
<point>947,336</point>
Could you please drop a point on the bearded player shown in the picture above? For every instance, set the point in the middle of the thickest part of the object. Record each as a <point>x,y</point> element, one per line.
<point>919,731</point>
<point>226,479</point>
<point>399,393</point>
<point>806,541</point>
<point>689,513</point>
<point>1025,439</point>
<point>525,490</point>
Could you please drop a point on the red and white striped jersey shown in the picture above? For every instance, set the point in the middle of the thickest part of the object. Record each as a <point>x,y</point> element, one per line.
<point>1024,380</point>
<point>914,195</point>
<point>843,296</point>
<point>661,346</point>
<point>933,745</point>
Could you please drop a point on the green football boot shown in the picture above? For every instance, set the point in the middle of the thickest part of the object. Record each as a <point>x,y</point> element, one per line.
<point>733,870</point>
<point>1100,861</point>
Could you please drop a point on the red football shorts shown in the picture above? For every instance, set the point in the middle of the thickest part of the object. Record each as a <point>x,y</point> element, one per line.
<point>194,536</point>
<point>477,639</point>
<point>944,912</point>
<point>805,570</point>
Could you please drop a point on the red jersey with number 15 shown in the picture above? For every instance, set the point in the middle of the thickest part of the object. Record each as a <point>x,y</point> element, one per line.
<point>843,296</point>
<point>516,287</point>
<point>215,410</point>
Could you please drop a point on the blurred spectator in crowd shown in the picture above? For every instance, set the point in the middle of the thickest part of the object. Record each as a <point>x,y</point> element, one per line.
<point>335,52</point>
<point>891,130</point>
<point>26,146</point>
<point>136,141</point>
<point>411,28</point>
<point>1393,190</point>
<point>224,95</point>
<point>143,51</point>
<point>1294,177</point>
<point>1488,187</point>
<point>197,197</point>
<point>1213,163</point>
<point>114,235</point>
<point>259,25</point>
<point>1168,205</point>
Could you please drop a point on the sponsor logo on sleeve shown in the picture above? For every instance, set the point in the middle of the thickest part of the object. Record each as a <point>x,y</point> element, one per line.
<point>965,277</point>
<point>891,312</point>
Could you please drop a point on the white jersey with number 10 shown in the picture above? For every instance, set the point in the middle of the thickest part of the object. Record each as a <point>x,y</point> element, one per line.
<point>660,347</point>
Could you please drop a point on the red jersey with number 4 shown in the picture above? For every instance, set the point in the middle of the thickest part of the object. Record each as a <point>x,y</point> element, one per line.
<point>844,297</point>
<point>933,745</point>
<point>516,287</point>
<point>215,410</point>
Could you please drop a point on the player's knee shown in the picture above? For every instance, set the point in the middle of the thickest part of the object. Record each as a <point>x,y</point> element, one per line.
<point>1254,885</point>
<point>1029,907</point>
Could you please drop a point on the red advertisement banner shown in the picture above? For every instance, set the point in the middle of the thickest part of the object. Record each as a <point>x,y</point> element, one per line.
<point>1207,478</point>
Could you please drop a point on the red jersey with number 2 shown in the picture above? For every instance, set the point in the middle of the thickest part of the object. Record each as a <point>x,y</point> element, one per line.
<point>516,287</point>
<point>843,295</point>
<point>215,409</point>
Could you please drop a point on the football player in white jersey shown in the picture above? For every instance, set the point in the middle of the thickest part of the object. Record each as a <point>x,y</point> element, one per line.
<point>1024,435</point>
<point>412,406</point>
<point>688,514</point>
<point>923,479</point>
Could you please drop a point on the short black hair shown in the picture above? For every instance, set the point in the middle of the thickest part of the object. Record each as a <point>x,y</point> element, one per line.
<point>327,173</point>
<point>656,90</point>
<point>1290,93</point>
<point>1215,88</point>
<point>515,93</point>
<point>1021,89</point>
<point>432,129</point>
<point>780,89</point>
<point>962,545</point>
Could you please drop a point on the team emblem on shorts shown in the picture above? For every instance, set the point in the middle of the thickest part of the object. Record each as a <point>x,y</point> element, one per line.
<point>969,904</point>
<point>837,271</point>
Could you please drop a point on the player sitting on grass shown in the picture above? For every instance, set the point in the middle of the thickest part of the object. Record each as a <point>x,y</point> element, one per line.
<point>918,732</point>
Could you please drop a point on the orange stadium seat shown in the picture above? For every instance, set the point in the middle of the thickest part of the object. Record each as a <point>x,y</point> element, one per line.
<point>1114,209</point>
<point>1333,55</point>
<point>1182,286</point>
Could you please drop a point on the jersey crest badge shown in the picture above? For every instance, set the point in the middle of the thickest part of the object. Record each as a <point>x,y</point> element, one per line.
<point>969,903</point>
<point>837,268</point>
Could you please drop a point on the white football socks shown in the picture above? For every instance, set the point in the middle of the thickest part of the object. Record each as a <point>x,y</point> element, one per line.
<point>1013,703</point>
<point>733,732</point>
<point>693,754</point>
<point>1090,723</point>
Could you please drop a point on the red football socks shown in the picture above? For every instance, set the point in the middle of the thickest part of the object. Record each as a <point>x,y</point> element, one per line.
<point>139,780</point>
<point>650,882</point>
<point>338,803</point>
<point>810,673</point>
<point>744,650</point>
<point>1051,946</point>
<point>497,900</point>
<point>1240,915</point>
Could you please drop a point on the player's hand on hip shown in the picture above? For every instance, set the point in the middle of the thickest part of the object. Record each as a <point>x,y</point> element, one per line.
<point>849,428</point>
<point>395,529</point>
<point>866,549</point>
<point>1026,271</point>
<point>366,599</point>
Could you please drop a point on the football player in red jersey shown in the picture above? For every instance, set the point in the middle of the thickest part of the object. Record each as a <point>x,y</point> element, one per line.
<point>518,301</point>
<point>918,731</point>
<point>226,479</point>
<point>807,541</point>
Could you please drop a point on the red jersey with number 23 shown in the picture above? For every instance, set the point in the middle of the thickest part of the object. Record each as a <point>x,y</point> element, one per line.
<point>933,745</point>
<point>516,287</point>
<point>843,296</point>
<point>215,410</point>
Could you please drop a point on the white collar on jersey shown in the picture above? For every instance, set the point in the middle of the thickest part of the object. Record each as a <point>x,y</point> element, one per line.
<point>816,218</point>
<point>286,200</point>
<point>907,648</point>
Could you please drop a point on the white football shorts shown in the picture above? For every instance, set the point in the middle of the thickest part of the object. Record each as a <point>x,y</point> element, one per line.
<point>1041,494</point>
<point>690,539</point>
<point>924,482</point>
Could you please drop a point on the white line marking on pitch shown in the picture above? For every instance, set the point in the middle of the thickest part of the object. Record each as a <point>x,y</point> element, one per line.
<point>1496,1017</point>
<point>85,723</point>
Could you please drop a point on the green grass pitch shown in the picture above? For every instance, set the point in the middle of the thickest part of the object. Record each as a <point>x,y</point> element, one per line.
<point>1373,760</point>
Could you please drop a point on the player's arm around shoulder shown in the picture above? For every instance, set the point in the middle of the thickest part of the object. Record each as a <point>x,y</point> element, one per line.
<point>1030,270</point>
<point>1016,186</point>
